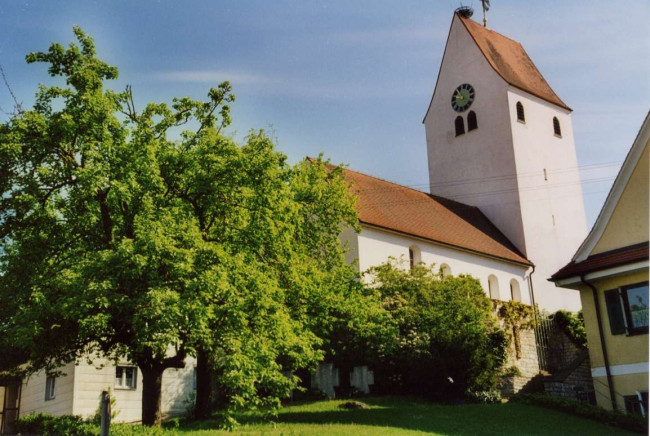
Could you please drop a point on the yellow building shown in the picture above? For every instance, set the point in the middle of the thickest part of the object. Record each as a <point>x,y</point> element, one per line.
<point>610,269</point>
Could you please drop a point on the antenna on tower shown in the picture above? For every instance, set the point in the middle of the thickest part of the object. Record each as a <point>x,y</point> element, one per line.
<point>486,7</point>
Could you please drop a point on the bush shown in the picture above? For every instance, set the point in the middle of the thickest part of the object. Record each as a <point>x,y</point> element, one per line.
<point>573,325</point>
<point>44,424</point>
<point>625,421</point>
<point>491,396</point>
<point>446,342</point>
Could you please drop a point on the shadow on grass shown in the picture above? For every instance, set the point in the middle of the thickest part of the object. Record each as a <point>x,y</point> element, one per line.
<point>419,415</point>
<point>467,419</point>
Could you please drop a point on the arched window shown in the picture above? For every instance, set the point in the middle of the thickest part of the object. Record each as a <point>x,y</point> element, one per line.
<point>472,124</point>
<point>493,285</point>
<point>460,125</point>
<point>445,270</point>
<point>415,255</point>
<point>520,112</point>
<point>556,127</point>
<point>515,292</point>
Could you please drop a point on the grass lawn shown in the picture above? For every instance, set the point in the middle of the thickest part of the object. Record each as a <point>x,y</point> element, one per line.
<point>404,416</point>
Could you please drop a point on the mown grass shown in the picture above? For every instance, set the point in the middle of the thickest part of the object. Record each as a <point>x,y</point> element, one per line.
<point>404,416</point>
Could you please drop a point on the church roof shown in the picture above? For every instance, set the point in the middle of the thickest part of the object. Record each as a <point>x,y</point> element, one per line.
<point>509,59</point>
<point>405,210</point>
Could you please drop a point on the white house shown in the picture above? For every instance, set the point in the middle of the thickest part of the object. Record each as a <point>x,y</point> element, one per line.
<point>78,391</point>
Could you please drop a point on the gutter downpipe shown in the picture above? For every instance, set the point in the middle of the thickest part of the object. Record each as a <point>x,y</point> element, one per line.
<point>610,382</point>
<point>531,291</point>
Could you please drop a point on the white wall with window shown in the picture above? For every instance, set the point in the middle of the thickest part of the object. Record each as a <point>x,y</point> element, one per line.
<point>374,246</point>
<point>43,393</point>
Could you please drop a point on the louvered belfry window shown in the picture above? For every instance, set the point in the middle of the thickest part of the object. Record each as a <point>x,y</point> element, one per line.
<point>472,123</point>
<point>460,125</point>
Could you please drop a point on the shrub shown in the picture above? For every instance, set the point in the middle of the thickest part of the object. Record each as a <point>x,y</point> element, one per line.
<point>446,341</point>
<point>44,424</point>
<point>573,325</point>
<point>625,421</point>
<point>491,396</point>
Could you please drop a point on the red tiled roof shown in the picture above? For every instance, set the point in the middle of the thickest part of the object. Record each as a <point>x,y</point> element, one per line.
<point>601,261</point>
<point>510,61</point>
<point>405,210</point>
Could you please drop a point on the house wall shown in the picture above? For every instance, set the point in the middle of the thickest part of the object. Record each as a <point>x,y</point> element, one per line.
<point>628,224</point>
<point>93,378</point>
<point>33,394</point>
<point>376,246</point>
<point>550,194</point>
<point>98,376</point>
<point>628,355</point>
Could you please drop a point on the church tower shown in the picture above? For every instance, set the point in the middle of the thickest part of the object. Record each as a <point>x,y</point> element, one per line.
<point>499,138</point>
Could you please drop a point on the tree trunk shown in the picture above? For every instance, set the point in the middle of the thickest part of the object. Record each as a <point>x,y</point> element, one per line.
<point>204,371</point>
<point>152,395</point>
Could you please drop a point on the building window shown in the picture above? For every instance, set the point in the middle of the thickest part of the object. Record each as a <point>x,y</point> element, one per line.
<point>50,384</point>
<point>515,291</point>
<point>415,256</point>
<point>520,112</point>
<point>637,404</point>
<point>493,287</point>
<point>556,127</point>
<point>125,377</point>
<point>472,123</point>
<point>460,125</point>
<point>627,309</point>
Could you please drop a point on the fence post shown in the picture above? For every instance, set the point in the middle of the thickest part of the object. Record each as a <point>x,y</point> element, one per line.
<point>105,413</point>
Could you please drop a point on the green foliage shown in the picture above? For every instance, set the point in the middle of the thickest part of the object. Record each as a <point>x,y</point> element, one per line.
<point>122,240</point>
<point>625,421</point>
<point>516,316</point>
<point>97,417</point>
<point>573,324</point>
<point>44,424</point>
<point>445,341</point>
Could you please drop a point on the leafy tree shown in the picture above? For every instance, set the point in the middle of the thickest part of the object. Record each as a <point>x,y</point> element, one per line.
<point>447,344</point>
<point>121,242</point>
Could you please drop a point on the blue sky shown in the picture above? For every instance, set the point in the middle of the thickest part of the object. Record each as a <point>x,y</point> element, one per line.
<point>351,79</point>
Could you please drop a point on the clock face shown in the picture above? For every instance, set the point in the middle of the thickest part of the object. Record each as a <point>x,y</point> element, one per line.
<point>462,97</point>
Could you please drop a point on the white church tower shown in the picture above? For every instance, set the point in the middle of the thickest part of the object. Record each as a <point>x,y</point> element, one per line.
<point>499,138</point>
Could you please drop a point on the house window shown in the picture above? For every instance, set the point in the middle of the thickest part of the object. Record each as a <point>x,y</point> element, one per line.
<point>520,112</point>
<point>637,404</point>
<point>50,384</point>
<point>627,309</point>
<point>125,377</point>
<point>556,127</point>
<point>472,123</point>
<point>460,125</point>
<point>493,287</point>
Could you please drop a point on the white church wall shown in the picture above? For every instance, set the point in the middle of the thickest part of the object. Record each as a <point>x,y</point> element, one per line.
<point>477,167</point>
<point>550,194</point>
<point>376,246</point>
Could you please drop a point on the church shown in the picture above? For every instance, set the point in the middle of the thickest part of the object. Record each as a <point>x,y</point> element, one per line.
<point>505,206</point>
<point>505,202</point>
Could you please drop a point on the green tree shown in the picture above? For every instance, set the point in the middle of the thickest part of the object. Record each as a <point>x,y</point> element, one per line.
<point>447,343</point>
<point>119,241</point>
